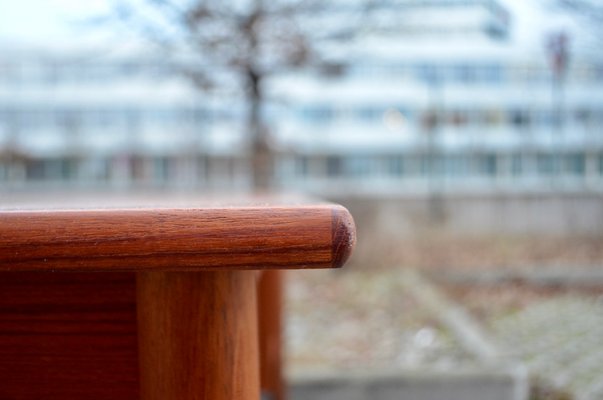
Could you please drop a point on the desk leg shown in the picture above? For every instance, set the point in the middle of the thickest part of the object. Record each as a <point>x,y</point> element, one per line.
<point>270,311</point>
<point>198,335</point>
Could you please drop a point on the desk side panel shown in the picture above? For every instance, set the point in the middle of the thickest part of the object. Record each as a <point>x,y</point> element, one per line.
<point>68,336</point>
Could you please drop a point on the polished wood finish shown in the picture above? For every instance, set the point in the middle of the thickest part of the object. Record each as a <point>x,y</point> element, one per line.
<point>58,328</point>
<point>198,335</point>
<point>270,312</point>
<point>68,336</point>
<point>173,239</point>
<point>173,315</point>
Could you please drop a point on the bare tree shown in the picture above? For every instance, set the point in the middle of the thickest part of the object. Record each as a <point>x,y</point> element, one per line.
<point>589,8</point>
<point>589,12</point>
<point>240,41</point>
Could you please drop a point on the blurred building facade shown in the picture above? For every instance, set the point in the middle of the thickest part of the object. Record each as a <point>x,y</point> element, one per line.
<point>436,95</point>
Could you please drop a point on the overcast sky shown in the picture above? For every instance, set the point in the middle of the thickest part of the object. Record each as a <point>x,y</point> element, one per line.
<point>38,20</point>
<point>43,21</point>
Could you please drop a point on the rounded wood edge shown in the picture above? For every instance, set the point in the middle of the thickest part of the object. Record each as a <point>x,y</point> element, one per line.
<point>343,235</point>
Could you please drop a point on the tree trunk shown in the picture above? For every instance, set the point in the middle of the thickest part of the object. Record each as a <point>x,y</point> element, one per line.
<point>261,157</point>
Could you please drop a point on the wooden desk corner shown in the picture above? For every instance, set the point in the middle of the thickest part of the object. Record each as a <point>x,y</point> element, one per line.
<point>150,301</point>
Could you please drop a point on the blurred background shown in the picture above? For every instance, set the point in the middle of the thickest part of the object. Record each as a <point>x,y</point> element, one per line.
<point>465,136</point>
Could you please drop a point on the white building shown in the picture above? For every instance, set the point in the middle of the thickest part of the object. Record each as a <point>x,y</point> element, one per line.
<point>475,108</point>
<point>436,95</point>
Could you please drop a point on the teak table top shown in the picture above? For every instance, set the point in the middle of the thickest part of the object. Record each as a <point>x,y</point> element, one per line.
<point>141,233</point>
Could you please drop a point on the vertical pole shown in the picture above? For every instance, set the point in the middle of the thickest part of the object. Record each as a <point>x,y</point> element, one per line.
<point>198,335</point>
<point>270,300</point>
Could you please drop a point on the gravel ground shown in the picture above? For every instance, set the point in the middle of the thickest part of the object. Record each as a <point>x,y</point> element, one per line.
<point>347,320</point>
<point>361,317</point>
<point>561,341</point>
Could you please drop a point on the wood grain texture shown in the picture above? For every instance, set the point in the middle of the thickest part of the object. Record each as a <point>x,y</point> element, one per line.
<point>319,236</point>
<point>198,335</point>
<point>270,317</point>
<point>67,332</point>
<point>68,336</point>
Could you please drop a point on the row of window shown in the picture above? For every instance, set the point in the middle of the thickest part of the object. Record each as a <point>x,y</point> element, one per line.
<point>13,73</point>
<point>129,168</point>
<point>475,73</point>
<point>516,117</point>
<point>69,118</point>
<point>452,165</point>
<point>393,118</point>
<point>50,72</point>
<point>425,166</point>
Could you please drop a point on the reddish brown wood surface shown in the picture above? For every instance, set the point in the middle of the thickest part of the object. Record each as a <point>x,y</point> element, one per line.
<point>270,310</point>
<point>198,335</point>
<point>65,335</point>
<point>68,336</point>
<point>72,333</point>
<point>319,236</point>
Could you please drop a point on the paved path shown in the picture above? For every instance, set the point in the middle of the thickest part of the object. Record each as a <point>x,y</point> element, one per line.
<point>561,341</point>
<point>537,276</point>
<point>393,321</point>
